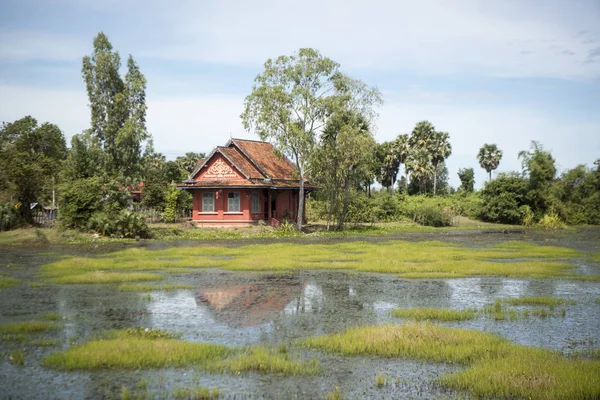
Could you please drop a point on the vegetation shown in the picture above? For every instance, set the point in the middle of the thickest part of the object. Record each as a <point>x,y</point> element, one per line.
<point>496,367</point>
<point>196,393</point>
<point>489,157</point>
<point>27,327</point>
<point>8,282</point>
<point>437,314</point>
<point>146,288</point>
<point>407,259</point>
<point>153,348</point>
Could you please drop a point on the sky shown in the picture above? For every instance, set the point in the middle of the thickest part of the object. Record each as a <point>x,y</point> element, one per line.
<point>505,71</point>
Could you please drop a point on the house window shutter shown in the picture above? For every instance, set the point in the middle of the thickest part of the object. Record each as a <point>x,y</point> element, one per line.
<point>233,202</point>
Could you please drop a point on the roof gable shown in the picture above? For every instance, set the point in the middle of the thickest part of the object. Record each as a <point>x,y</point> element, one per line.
<point>263,156</point>
<point>217,168</point>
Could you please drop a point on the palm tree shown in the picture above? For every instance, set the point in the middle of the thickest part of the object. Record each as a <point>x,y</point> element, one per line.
<point>440,149</point>
<point>420,167</point>
<point>402,151</point>
<point>489,157</point>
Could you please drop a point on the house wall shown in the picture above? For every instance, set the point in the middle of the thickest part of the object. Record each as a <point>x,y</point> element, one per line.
<point>220,215</point>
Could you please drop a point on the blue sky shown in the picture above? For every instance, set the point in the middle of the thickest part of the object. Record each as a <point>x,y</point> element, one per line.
<point>504,72</point>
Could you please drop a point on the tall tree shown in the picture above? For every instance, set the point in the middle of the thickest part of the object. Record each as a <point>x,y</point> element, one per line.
<point>467,179</point>
<point>489,158</point>
<point>440,150</point>
<point>189,161</point>
<point>118,108</point>
<point>288,106</point>
<point>30,159</point>
<point>402,149</point>
<point>539,166</point>
<point>387,164</point>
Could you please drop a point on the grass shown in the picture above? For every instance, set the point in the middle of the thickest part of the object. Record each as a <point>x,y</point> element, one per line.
<point>17,357</point>
<point>135,353</point>
<point>406,259</point>
<point>196,393</point>
<point>8,282</point>
<point>438,314</point>
<point>140,348</point>
<point>127,287</point>
<point>536,301</point>
<point>27,327</point>
<point>107,277</point>
<point>495,367</point>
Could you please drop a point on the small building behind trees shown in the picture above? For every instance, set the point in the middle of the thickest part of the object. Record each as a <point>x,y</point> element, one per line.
<point>244,182</point>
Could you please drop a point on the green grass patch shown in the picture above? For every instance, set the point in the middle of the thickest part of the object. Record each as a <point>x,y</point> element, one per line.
<point>51,316</point>
<point>406,259</point>
<point>130,287</point>
<point>537,301</point>
<point>108,277</point>
<point>8,282</point>
<point>265,360</point>
<point>437,314</point>
<point>135,353</point>
<point>496,367</point>
<point>27,327</point>
<point>196,393</point>
<point>17,357</point>
<point>13,337</point>
<point>140,348</point>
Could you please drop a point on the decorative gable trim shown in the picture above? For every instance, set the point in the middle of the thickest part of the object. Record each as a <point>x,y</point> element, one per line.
<point>207,160</point>
<point>219,170</point>
<point>241,150</point>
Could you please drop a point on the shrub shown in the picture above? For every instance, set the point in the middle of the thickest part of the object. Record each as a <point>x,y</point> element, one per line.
<point>428,214</point>
<point>552,221</point>
<point>126,224</point>
<point>9,217</point>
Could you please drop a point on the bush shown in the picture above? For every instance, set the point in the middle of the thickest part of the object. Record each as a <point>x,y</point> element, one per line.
<point>503,198</point>
<point>429,214</point>
<point>552,221</point>
<point>126,224</point>
<point>9,216</point>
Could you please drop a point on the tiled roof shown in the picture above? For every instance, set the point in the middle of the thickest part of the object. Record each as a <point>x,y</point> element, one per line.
<point>264,157</point>
<point>257,161</point>
<point>241,162</point>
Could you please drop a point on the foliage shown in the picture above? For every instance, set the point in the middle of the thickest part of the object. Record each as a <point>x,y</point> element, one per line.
<point>467,179</point>
<point>125,224</point>
<point>503,199</point>
<point>552,221</point>
<point>489,157</point>
<point>118,108</point>
<point>538,166</point>
<point>9,216</point>
<point>30,159</point>
<point>171,203</point>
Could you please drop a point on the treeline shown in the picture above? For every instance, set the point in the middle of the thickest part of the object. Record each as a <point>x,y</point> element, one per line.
<point>319,117</point>
<point>95,180</point>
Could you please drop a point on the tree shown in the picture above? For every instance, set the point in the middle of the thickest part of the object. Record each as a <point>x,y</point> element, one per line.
<point>504,199</point>
<point>489,158</point>
<point>387,165</point>
<point>538,166</point>
<point>420,167</point>
<point>30,160</point>
<point>467,179</point>
<point>401,146</point>
<point>118,108</point>
<point>189,161</point>
<point>422,145</point>
<point>289,105</point>
<point>440,150</point>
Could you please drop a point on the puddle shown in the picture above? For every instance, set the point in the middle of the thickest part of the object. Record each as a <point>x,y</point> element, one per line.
<point>243,308</point>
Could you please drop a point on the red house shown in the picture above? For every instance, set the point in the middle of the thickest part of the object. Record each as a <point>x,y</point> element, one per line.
<point>242,183</point>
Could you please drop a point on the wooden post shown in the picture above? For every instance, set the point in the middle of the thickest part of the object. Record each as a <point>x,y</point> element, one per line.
<point>269,204</point>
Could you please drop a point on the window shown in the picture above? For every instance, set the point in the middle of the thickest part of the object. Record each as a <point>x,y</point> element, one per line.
<point>255,203</point>
<point>233,202</point>
<point>208,202</point>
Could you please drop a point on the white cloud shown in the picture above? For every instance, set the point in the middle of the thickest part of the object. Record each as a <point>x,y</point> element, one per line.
<point>510,38</point>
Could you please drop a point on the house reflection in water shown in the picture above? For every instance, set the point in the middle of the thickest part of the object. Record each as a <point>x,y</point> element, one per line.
<point>254,303</point>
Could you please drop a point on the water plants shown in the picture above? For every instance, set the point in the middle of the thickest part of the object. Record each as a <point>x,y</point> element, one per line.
<point>407,259</point>
<point>27,327</point>
<point>438,314</point>
<point>129,287</point>
<point>495,367</point>
<point>196,393</point>
<point>8,282</point>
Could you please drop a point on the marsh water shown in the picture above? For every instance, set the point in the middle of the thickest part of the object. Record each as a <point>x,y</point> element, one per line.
<point>247,308</point>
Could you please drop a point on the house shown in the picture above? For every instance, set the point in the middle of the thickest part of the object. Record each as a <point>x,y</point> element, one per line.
<point>244,182</point>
